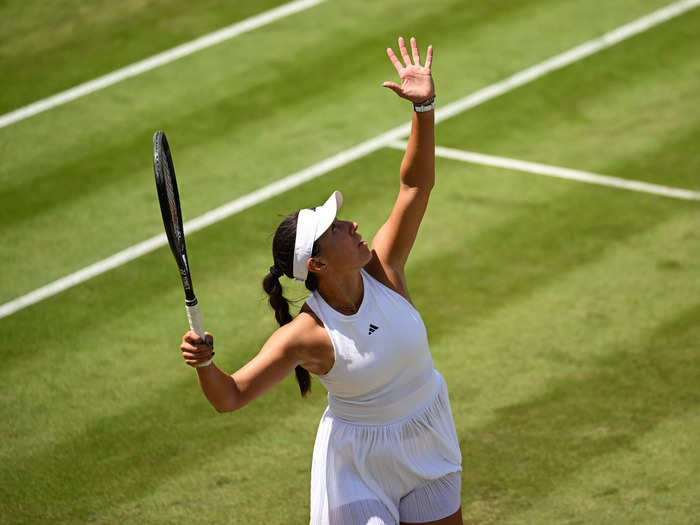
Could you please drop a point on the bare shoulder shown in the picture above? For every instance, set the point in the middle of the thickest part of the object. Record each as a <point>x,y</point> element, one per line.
<point>308,337</point>
<point>393,278</point>
<point>307,325</point>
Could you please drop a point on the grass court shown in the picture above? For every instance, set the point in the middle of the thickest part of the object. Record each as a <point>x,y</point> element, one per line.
<point>564,316</point>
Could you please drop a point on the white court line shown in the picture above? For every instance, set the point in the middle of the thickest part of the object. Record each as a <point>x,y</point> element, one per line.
<point>207,219</point>
<point>354,153</point>
<point>564,59</point>
<point>559,172</point>
<point>155,61</point>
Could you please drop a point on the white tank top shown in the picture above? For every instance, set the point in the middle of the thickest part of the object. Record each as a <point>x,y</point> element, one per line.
<point>383,370</point>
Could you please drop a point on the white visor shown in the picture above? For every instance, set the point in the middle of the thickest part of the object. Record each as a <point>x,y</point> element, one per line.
<point>311,223</point>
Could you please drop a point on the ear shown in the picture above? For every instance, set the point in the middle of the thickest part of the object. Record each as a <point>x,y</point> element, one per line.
<point>316,265</point>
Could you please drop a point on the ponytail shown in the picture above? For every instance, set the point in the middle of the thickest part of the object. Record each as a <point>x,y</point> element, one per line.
<point>280,304</point>
<point>283,255</point>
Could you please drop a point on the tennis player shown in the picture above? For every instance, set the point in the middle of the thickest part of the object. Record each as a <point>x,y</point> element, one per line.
<point>386,450</point>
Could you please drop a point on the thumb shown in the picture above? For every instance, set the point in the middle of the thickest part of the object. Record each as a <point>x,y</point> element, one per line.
<point>393,86</point>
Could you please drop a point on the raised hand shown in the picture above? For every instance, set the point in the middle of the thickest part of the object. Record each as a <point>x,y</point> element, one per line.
<point>416,80</point>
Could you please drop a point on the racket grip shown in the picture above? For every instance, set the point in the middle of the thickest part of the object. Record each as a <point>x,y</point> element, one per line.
<point>195,319</point>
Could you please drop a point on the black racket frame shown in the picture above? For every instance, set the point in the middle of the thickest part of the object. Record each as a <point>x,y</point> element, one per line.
<point>172,214</point>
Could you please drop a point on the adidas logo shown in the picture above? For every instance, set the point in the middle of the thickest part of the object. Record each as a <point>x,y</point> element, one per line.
<point>372,329</point>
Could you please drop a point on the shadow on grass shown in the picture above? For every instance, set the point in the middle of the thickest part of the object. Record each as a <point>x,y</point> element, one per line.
<point>123,459</point>
<point>508,463</point>
<point>124,151</point>
<point>538,244</point>
<point>529,448</point>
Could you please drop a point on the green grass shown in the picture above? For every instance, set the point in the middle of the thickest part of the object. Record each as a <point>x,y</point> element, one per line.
<point>564,316</point>
<point>236,123</point>
<point>614,112</point>
<point>50,47</point>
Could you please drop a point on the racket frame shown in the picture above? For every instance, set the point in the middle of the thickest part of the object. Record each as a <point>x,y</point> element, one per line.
<point>171,212</point>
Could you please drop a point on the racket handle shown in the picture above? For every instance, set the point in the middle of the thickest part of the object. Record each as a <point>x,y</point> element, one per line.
<point>195,319</point>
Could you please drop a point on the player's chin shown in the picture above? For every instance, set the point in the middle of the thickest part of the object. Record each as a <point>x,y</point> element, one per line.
<point>365,252</point>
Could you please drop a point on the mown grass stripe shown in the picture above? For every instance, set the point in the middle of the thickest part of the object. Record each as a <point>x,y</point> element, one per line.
<point>158,60</point>
<point>568,57</point>
<point>559,172</point>
<point>586,49</point>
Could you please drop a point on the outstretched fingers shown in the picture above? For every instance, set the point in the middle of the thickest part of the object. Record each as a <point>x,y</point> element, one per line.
<point>416,81</point>
<point>393,86</point>
<point>394,60</point>
<point>404,52</point>
<point>429,59</point>
<point>414,51</point>
<point>406,58</point>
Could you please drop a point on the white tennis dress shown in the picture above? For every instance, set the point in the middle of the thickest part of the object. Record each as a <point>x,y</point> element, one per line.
<point>386,448</point>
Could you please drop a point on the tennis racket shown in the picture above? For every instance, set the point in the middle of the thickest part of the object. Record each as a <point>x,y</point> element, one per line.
<point>169,200</point>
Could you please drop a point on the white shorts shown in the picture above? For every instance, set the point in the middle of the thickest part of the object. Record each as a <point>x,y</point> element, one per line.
<point>376,474</point>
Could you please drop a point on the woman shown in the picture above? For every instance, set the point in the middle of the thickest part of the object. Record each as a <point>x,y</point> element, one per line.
<point>386,449</point>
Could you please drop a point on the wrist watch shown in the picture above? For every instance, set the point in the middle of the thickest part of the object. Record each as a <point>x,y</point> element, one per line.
<point>428,105</point>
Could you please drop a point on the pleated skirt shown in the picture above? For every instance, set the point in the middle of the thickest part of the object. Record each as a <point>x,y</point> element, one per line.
<point>360,466</point>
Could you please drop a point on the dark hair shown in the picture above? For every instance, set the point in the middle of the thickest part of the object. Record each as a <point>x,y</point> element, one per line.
<point>283,255</point>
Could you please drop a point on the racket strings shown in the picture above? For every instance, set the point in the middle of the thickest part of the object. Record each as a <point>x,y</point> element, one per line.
<point>172,203</point>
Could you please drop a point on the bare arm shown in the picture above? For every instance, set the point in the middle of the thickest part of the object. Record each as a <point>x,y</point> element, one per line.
<point>394,240</point>
<point>278,357</point>
<point>300,342</point>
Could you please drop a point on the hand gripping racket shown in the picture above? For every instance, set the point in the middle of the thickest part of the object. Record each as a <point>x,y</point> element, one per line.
<point>169,200</point>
